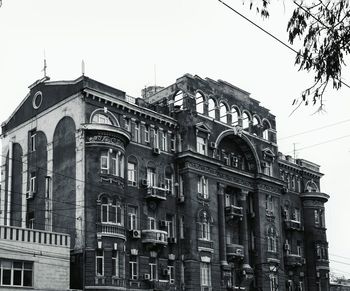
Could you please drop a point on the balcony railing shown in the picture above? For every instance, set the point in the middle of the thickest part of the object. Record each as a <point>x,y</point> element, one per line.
<point>234,251</point>
<point>205,244</point>
<point>293,225</point>
<point>113,230</point>
<point>159,285</point>
<point>155,236</point>
<point>294,260</point>
<point>233,211</point>
<point>34,236</point>
<point>156,193</point>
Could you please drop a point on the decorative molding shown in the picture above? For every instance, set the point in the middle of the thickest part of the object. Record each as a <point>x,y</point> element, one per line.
<point>114,141</point>
<point>269,188</point>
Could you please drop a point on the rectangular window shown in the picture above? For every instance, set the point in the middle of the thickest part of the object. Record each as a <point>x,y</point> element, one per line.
<point>201,145</point>
<point>152,223</point>
<point>131,174</point>
<point>104,162</point>
<point>172,142</point>
<point>203,187</point>
<point>16,273</point>
<point>99,262</point>
<point>114,163</point>
<point>155,139</point>
<point>32,183</point>
<point>317,217</point>
<point>132,217</point>
<point>271,244</point>
<point>32,140</point>
<point>182,218</point>
<point>301,286</point>
<point>151,177</point>
<point>296,215</point>
<point>267,168</point>
<point>127,124</point>
<point>299,249</point>
<point>153,269</point>
<point>137,132</point>
<point>205,274</point>
<point>170,223</point>
<point>168,181</point>
<point>171,272</point>
<point>146,133</point>
<point>115,263</point>
<point>133,268</point>
<point>181,185</point>
<point>273,282</point>
<point>164,141</point>
<point>205,230</point>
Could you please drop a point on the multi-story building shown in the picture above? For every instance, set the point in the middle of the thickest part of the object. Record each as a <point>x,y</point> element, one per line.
<point>183,189</point>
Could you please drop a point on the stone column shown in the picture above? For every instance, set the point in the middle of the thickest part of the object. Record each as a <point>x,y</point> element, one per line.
<point>247,270</point>
<point>221,220</point>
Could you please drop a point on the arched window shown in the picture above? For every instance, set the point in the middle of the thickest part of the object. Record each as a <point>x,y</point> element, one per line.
<point>266,129</point>
<point>204,225</point>
<point>256,121</point>
<point>199,103</point>
<point>235,116</point>
<point>245,120</point>
<point>211,108</point>
<point>271,240</point>
<point>101,118</point>
<point>112,211</point>
<point>178,100</point>
<point>223,112</point>
<point>311,186</point>
<point>132,171</point>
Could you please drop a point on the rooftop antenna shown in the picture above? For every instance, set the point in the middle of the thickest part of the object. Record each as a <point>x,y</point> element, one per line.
<point>45,65</point>
<point>294,150</point>
<point>82,67</point>
<point>155,76</point>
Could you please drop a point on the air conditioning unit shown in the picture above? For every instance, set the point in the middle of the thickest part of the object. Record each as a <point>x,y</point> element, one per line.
<point>156,151</point>
<point>181,199</point>
<point>29,195</point>
<point>172,240</point>
<point>165,272</point>
<point>146,276</point>
<point>212,145</point>
<point>135,233</point>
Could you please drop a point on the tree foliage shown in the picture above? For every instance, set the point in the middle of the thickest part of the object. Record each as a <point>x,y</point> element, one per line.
<point>323,26</point>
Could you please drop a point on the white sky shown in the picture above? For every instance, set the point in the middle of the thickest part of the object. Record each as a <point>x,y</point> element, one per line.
<point>122,41</point>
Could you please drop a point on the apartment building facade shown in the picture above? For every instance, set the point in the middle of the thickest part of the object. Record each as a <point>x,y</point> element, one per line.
<point>183,189</point>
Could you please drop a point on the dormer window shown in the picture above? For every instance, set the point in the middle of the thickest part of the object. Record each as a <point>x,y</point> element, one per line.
<point>101,118</point>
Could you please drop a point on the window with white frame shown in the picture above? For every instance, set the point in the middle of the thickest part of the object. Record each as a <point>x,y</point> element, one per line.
<point>271,240</point>
<point>171,272</point>
<point>299,249</point>
<point>155,138</point>
<point>132,173</point>
<point>112,162</point>
<point>296,215</point>
<point>170,224</point>
<point>199,103</point>
<point>181,185</point>
<point>152,224</point>
<point>99,262</point>
<point>164,141</point>
<point>111,212</point>
<point>205,226</point>
<point>172,142</point>
<point>151,177</point>
<point>181,227</point>
<point>132,217</point>
<point>32,182</point>
<point>168,180</point>
<point>127,124</point>
<point>201,145</point>
<point>211,108</point>
<point>146,133</point>
<point>137,134</point>
<point>267,168</point>
<point>301,286</point>
<point>32,140</point>
<point>133,267</point>
<point>205,274</point>
<point>115,263</point>
<point>153,269</point>
<point>101,118</point>
<point>273,282</point>
<point>203,187</point>
<point>16,273</point>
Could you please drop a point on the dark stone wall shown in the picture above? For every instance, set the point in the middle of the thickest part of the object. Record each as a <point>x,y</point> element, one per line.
<point>63,180</point>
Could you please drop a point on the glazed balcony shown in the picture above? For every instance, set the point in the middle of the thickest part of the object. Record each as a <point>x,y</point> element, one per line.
<point>155,236</point>
<point>233,211</point>
<point>111,230</point>
<point>293,225</point>
<point>234,251</point>
<point>294,260</point>
<point>156,193</point>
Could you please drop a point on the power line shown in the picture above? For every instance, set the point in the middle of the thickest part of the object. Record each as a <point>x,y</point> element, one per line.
<point>268,33</point>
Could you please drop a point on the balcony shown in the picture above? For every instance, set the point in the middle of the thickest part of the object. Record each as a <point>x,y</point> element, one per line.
<point>293,225</point>
<point>159,285</point>
<point>111,230</point>
<point>294,260</point>
<point>156,193</point>
<point>234,251</point>
<point>205,245</point>
<point>155,236</point>
<point>233,212</point>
